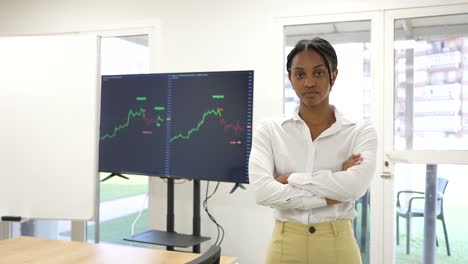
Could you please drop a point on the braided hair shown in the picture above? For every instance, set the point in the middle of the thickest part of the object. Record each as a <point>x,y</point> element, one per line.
<point>322,47</point>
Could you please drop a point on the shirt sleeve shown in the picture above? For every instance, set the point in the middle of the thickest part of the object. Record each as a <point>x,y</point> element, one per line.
<point>346,185</point>
<point>268,191</point>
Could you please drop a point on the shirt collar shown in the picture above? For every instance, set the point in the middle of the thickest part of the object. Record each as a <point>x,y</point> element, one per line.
<point>341,119</point>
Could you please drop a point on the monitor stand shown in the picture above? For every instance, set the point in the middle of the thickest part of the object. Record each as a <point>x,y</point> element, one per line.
<point>112,175</point>
<point>237,185</point>
<point>170,238</point>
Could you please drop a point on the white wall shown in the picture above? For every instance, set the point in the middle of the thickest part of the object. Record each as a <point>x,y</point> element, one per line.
<point>197,36</point>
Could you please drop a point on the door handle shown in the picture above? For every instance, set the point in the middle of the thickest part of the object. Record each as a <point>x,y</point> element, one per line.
<point>386,175</point>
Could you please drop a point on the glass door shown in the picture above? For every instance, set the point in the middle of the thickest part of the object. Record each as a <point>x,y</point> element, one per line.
<point>426,135</point>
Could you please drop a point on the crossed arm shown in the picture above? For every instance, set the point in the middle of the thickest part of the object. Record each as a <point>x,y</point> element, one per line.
<point>354,159</point>
<point>305,191</point>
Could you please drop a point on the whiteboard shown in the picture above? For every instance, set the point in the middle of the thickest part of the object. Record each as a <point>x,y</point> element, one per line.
<point>49,126</point>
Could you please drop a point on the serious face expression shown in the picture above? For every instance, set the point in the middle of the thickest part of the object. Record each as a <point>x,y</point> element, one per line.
<point>309,78</point>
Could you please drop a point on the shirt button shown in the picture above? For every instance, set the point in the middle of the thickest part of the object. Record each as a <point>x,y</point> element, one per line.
<point>311,229</point>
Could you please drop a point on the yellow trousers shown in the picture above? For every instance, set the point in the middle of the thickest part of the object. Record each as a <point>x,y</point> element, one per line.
<point>322,243</point>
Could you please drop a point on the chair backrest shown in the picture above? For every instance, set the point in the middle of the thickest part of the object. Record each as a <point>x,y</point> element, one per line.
<point>211,256</point>
<point>441,186</point>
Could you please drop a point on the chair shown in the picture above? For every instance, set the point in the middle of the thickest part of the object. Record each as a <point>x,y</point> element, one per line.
<point>409,210</point>
<point>211,256</point>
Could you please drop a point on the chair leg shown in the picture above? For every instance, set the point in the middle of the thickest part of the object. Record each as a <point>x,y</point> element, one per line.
<point>397,230</point>
<point>408,234</point>
<point>355,226</point>
<point>364,225</point>
<point>355,221</point>
<point>446,236</point>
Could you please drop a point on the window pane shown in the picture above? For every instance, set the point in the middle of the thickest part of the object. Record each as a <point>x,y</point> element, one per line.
<point>431,83</point>
<point>122,199</point>
<point>124,55</point>
<point>452,207</point>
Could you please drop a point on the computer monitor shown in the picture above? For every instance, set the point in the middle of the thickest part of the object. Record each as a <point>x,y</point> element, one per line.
<point>185,125</point>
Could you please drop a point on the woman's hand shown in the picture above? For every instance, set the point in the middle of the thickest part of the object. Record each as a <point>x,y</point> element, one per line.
<point>331,201</point>
<point>355,159</point>
<point>283,178</point>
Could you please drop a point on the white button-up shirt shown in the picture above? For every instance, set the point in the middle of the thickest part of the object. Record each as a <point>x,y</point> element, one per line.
<point>284,145</point>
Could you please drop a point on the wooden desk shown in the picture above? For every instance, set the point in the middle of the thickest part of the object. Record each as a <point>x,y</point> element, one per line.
<point>45,251</point>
